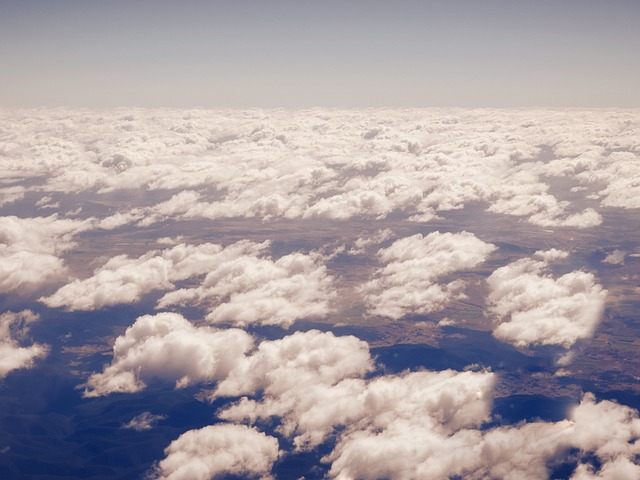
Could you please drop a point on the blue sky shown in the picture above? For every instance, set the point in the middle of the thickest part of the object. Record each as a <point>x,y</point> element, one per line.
<point>303,53</point>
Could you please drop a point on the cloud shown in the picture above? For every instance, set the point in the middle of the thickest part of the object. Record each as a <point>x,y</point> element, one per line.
<point>408,283</point>
<point>120,281</point>
<point>325,163</point>
<point>620,468</point>
<point>551,254</point>
<point>527,197</point>
<point>218,450</point>
<point>363,243</point>
<point>544,167</point>
<point>529,306</point>
<point>255,289</point>
<point>30,250</point>
<point>125,280</point>
<point>144,421</point>
<point>301,379</point>
<point>241,285</point>
<point>420,449</point>
<point>14,328</point>
<point>615,258</point>
<point>409,425</point>
<point>168,347</point>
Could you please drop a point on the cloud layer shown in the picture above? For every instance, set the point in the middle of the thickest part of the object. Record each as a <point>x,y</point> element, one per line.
<point>327,164</point>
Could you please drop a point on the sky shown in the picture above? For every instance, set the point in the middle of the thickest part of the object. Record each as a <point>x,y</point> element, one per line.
<point>354,53</point>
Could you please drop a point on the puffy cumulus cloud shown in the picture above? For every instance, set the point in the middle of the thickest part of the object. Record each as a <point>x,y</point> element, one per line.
<point>414,450</point>
<point>252,289</point>
<point>408,283</point>
<point>615,258</point>
<point>218,450</point>
<point>30,250</point>
<point>417,449</point>
<point>307,379</point>
<point>610,431</point>
<point>125,280</point>
<point>618,469</point>
<point>144,421</point>
<point>300,358</point>
<point>314,382</point>
<point>409,425</point>
<point>524,195</point>
<point>243,285</point>
<point>14,328</point>
<point>168,347</point>
<point>120,280</point>
<point>529,306</point>
<point>613,167</point>
<point>606,428</point>
<point>414,424</point>
<point>551,254</point>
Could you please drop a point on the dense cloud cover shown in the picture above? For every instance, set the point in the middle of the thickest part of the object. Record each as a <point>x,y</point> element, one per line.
<point>233,245</point>
<point>325,164</point>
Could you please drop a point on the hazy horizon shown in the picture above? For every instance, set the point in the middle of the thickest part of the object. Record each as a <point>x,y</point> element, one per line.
<point>330,54</point>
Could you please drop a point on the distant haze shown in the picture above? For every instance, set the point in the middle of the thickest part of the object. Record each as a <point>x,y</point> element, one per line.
<point>331,53</point>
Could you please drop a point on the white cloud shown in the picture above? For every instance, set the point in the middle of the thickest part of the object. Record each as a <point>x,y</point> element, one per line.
<point>409,425</point>
<point>11,194</point>
<point>120,280</point>
<point>301,377</point>
<point>619,469</point>
<point>14,328</point>
<point>528,306</point>
<point>419,449</point>
<point>144,421</point>
<point>317,163</point>
<point>218,450</point>
<point>243,285</point>
<point>168,347</point>
<point>524,196</point>
<point>329,164</point>
<point>363,243</point>
<point>30,250</point>
<point>551,254</point>
<point>615,258</point>
<point>408,283</point>
<point>255,289</point>
<point>125,280</point>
